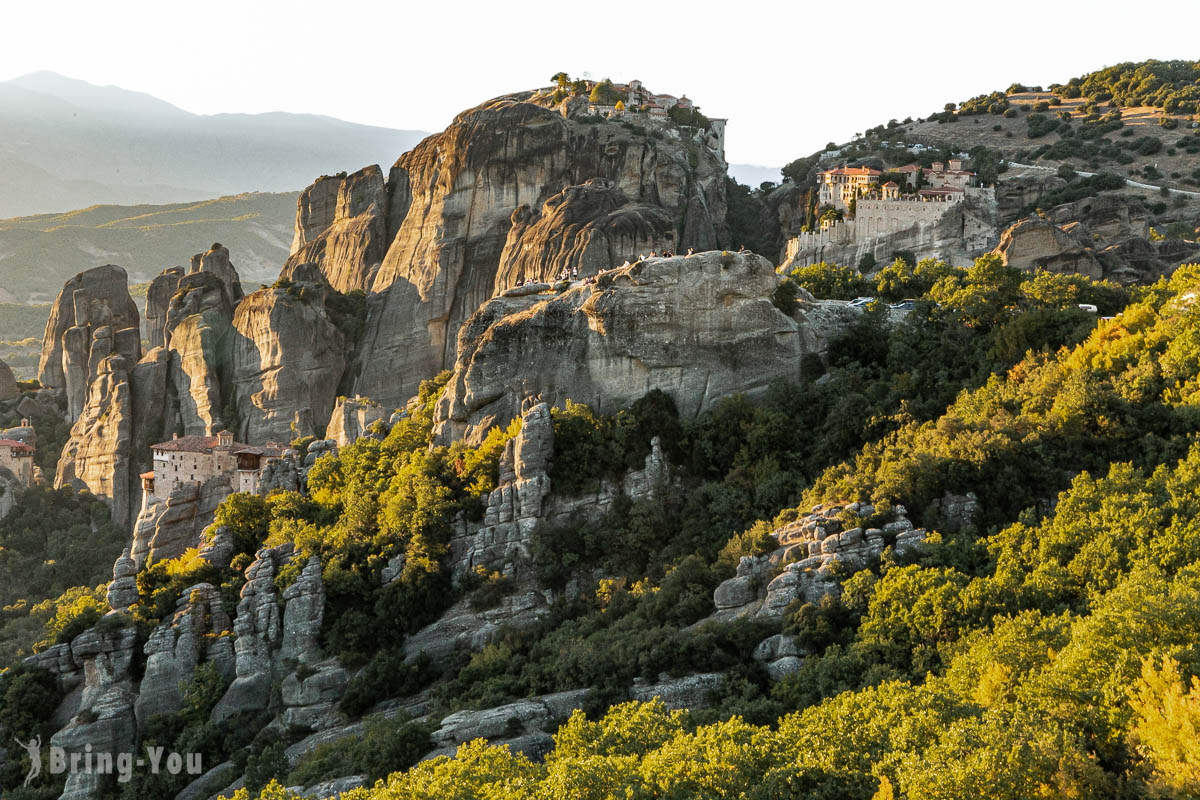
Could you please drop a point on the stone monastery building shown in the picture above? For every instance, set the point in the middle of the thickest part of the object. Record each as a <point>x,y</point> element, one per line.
<point>195,459</point>
<point>841,186</point>
<point>911,211</point>
<point>17,458</point>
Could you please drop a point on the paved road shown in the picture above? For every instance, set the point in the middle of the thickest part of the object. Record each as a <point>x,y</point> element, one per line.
<point>1128,182</point>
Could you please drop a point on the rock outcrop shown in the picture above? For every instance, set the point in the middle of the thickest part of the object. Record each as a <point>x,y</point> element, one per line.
<point>8,384</point>
<point>502,541</point>
<point>351,418</point>
<point>1035,242</point>
<point>813,551</point>
<point>288,357</point>
<point>98,455</point>
<point>200,336</point>
<point>216,261</point>
<point>101,662</point>
<point>341,227</point>
<point>450,211</point>
<point>588,227</point>
<point>158,301</point>
<point>195,634</point>
<point>93,312</point>
<point>699,328</point>
<point>1116,249</point>
<point>168,527</point>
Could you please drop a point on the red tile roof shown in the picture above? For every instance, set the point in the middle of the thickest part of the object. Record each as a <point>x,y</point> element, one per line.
<point>193,444</point>
<point>20,447</point>
<point>852,171</point>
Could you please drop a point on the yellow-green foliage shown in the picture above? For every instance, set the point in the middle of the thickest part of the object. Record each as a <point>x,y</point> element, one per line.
<point>74,611</point>
<point>1167,728</point>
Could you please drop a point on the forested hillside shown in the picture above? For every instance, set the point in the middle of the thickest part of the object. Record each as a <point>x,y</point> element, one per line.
<point>1045,652</point>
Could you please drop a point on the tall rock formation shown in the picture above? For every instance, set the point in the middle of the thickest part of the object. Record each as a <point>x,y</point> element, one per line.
<point>8,383</point>
<point>288,359</point>
<point>98,455</point>
<point>216,260</point>
<point>200,336</point>
<point>158,300</point>
<point>698,327</point>
<point>341,227</point>
<point>127,402</point>
<point>92,301</point>
<point>450,220</point>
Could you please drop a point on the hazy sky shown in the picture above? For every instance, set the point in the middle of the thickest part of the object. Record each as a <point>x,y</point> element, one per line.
<point>790,76</point>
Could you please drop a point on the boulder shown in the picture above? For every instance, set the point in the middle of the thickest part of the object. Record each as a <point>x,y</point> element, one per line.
<point>351,418</point>
<point>699,328</point>
<point>690,691</point>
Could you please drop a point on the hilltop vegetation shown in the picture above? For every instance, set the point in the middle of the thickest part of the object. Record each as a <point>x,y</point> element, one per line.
<point>1046,651</point>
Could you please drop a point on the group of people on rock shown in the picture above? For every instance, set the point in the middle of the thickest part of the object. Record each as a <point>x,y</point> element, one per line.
<point>572,273</point>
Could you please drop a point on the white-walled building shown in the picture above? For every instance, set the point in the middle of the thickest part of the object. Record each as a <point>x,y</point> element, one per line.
<point>195,459</point>
<point>17,458</point>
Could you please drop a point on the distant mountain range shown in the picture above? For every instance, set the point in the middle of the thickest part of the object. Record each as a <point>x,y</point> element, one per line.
<point>67,144</point>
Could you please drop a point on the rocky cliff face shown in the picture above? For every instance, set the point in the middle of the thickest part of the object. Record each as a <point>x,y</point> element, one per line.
<point>589,227</point>
<point>200,336</point>
<point>93,302</point>
<point>967,229</point>
<point>288,360</point>
<point>99,454</point>
<point>1105,237</point>
<point>158,301</point>
<point>450,221</point>
<point>215,261</point>
<point>699,327</point>
<point>341,227</point>
<point>8,383</point>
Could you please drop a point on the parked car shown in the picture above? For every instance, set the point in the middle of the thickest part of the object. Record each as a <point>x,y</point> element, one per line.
<point>904,305</point>
<point>1088,307</point>
<point>861,301</point>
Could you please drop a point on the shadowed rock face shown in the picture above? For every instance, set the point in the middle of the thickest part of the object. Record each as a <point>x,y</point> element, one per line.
<point>288,359</point>
<point>8,383</point>
<point>158,300</point>
<point>341,227</point>
<point>699,328</point>
<point>97,456</point>
<point>93,302</point>
<point>450,213</point>
<point>591,227</point>
<point>199,333</point>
